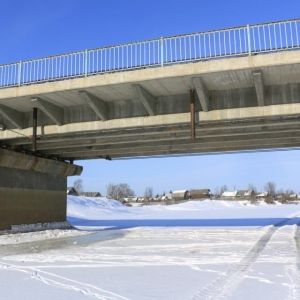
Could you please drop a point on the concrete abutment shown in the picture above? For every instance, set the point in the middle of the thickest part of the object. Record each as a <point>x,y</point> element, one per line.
<point>32,189</point>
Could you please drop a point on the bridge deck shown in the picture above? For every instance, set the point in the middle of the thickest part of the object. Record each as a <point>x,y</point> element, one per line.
<point>243,102</point>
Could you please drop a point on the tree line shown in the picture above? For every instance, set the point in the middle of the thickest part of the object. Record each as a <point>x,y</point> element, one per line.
<point>120,191</point>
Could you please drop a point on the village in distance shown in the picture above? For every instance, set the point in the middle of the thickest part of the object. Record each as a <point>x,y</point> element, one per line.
<point>127,196</point>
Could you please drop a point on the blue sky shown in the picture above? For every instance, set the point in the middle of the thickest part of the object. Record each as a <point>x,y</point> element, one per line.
<point>35,28</point>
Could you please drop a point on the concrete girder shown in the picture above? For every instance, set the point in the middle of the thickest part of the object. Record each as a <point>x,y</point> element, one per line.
<point>279,142</point>
<point>54,112</point>
<point>14,117</point>
<point>99,107</point>
<point>227,115</point>
<point>65,139</point>
<point>122,142</point>
<point>25,162</point>
<point>259,87</point>
<point>205,141</point>
<point>201,92</point>
<point>147,99</point>
<point>205,127</point>
<point>230,148</point>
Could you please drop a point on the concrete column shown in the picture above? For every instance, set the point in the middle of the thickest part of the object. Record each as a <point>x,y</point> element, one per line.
<point>28,196</point>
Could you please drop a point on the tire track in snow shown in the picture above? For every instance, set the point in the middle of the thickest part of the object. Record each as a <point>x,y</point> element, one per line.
<point>223,286</point>
<point>55,280</point>
<point>293,272</point>
<point>297,243</point>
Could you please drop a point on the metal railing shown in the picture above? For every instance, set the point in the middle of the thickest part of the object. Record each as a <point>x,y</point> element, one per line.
<point>246,40</point>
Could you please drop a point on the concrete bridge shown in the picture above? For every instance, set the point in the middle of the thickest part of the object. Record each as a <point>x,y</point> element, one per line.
<point>226,90</point>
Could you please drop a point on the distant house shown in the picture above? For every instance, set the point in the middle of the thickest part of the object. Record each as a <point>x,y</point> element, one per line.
<point>229,195</point>
<point>90,194</point>
<point>199,194</point>
<point>180,195</point>
<point>130,199</point>
<point>245,194</point>
<point>166,197</point>
<point>286,197</point>
<point>72,191</point>
<point>262,195</point>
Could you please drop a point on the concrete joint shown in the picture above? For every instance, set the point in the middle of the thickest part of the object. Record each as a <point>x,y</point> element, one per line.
<point>259,87</point>
<point>99,106</point>
<point>13,116</point>
<point>201,92</point>
<point>54,112</point>
<point>147,99</point>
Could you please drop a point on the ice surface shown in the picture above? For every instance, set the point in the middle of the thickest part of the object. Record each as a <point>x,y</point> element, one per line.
<point>194,250</point>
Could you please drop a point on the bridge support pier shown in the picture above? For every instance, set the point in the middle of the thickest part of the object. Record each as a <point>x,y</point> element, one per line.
<point>32,189</point>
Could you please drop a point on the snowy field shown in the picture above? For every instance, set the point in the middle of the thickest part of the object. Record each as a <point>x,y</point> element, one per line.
<point>194,250</point>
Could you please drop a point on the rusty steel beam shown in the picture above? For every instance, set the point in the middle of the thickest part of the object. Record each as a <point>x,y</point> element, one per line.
<point>193,111</point>
<point>34,128</point>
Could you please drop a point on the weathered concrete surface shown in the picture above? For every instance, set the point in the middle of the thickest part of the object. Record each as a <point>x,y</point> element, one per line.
<point>28,197</point>
<point>32,189</point>
<point>21,161</point>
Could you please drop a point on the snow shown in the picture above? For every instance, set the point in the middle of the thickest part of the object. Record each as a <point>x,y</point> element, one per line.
<point>194,250</point>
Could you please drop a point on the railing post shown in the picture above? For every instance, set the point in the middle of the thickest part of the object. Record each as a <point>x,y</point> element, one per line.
<point>161,51</point>
<point>19,72</point>
<point>249,39</point>
<point>86,63</point>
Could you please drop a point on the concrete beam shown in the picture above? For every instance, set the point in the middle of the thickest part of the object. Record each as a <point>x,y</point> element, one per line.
<point>15,117</point>
<point>21,161</point>
<point>195,147</point>
<point>97,105</point>
<point>259,87</point>
<point>201,92</point>
<point>54,112</point>
<point>204,127</point>
<point>139,145</point>
<point>147,99</point>
<point>224,115</point>
<point>230,148</point>
<point>163,138</point>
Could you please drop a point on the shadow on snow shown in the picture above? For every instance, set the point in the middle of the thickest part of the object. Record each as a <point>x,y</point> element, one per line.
<point>131,223</point>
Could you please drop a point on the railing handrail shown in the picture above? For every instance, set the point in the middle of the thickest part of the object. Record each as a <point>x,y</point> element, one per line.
<point>203,45</point>
<point>152,40</point>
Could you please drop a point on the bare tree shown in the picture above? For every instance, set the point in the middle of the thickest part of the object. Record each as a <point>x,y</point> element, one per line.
<point>252,187</point>
<point>78,185</point>
<point>119,191</point>
<point>288,195</point>
<point>223,189</point>
<point>148,192</point>
<point>270,188</point>
<point>217,192</point>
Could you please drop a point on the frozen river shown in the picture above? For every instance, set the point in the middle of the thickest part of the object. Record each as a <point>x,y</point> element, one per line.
<point>213,254</point>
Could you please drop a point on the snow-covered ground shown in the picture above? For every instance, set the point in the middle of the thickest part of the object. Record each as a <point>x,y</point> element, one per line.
<point>194,250</point>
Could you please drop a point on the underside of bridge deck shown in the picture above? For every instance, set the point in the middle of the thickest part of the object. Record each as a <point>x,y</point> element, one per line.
<point>233,134</point>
